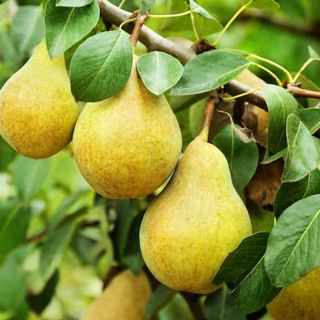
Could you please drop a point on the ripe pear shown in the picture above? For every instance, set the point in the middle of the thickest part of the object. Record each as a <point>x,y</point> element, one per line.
<point>126,297</point>
<point>127,145</point>
<point>300,301</point>
<point>193,225</point>
<point>37,110</point>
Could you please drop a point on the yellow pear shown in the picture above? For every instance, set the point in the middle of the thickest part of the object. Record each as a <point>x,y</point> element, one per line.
<point>37,109</point>
<point>195,222</point>
<point>127,145</point>
<point>300,301</point>
<point>126,297</point>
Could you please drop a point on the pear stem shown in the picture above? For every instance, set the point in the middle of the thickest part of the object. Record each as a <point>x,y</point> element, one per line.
<point>208,114</point>
<point>193,303</point>
<point>140,20</point>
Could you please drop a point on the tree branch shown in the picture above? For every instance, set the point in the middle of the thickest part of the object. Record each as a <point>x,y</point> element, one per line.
<point>303,93</point>
<point>153,41</point>
<point>310,30</point>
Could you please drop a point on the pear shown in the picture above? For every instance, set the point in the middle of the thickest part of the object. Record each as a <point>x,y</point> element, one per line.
<point>126,146</point>
<point>300,301</point>
<point>197,220</point>
<point>126,297</point>
<point>37,110</point>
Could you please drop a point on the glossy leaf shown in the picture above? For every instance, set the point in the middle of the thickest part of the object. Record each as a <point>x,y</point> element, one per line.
<point>27,28</point>
<point>293,246</point>
<point>14,222</point>
<point>289,193</point>
<point>241,153</point>
<point>243,270</point>
<point>205,24</point>
<point>280,104</point>
<point>159,71</point>
<point>208,71</point>
<point>310,118</point>
<point>108,60</point>
<point>29,175</point>
<point>160,297</point>
<point>220,306</point>
<point>303,151</point>
<point>73,3</point>
<point>67,26</point>
<point>13,284</point>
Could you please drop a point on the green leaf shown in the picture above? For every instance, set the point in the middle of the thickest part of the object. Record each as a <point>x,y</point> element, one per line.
<point>126,212</point>
<point>280,104</point>
<point>280,154</point>
<point>313,54</point>
<point>293,246</point>
<point>132,256</point>
<point>160,297</point>
<point>310,118</point>
<point>261,220</point>
<point>53,249</point>
<point>27,28</point>
<point>7,154</point>
<point>73,3</point>
<point>108,60</point>
<point>14,222</point>
<point>241,152</point>
<point>8,51</point>
<point>308,84</point>
<point>146,5</point>
<point>243,270</point>
<point>204,22</point>
<point>67,26</point>
<point>289,193</point>
<point>265,4</point>
<point>39,301</point>
<point>303,151</point>
<point>220,306</point>
<point>159,71</point>
<point>29,175</point>
<point>208,71</point>
<point>13,284</point>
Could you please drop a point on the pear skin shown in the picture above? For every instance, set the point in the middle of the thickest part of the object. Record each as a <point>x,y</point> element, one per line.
<point>37,110</point>
<point>193,225</point>
<point>128,145</point>
<point>126,297</point>
<point>300,301</point>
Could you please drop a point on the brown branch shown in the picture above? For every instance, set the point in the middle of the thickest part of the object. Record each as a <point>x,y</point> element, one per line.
<point>153,41</point>
<point>311,30</point>
<point>193,303</point>
<point>140,20</point>
<point>303,93</point>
